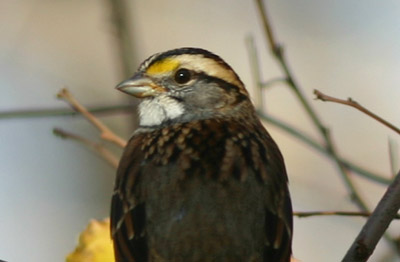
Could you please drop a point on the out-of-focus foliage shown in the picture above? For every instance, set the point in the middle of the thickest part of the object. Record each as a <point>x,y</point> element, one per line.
<point>95,244</point>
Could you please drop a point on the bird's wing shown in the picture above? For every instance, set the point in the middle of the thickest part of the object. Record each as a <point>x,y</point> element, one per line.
<point>127,212</point>
<point>278,221</point>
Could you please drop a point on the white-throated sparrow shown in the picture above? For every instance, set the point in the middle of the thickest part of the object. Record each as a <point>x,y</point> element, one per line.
<point>200,179</point>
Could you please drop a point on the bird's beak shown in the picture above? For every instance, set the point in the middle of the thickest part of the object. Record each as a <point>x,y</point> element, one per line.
<point>140,86</point>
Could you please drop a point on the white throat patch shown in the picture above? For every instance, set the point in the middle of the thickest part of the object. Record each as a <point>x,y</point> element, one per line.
<point>153,112</point>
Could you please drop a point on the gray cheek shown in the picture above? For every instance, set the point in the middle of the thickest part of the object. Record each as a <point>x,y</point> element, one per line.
<point>206,97</point>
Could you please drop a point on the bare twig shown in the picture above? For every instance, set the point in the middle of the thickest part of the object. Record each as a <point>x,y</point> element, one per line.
<point>278,53</point>
<point>255,70</point>
<point>273,81</point>
<point>376,225</point>
<point>336,213</point>
<point>393,156</point>
<point>352,103</point>
<point>274,46</point>
<point>314,144</point>
<point>120,16</point>
<point>55,112</point>
<point>106,133</point>
<point>98,148</point>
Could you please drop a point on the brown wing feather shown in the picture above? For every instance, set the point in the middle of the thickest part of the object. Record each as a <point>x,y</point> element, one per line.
<point>265,158</point>
<point>279,227</point>
<point>127,213</point>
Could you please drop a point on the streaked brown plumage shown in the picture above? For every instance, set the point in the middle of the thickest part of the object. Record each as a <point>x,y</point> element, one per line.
<point>201,179</point>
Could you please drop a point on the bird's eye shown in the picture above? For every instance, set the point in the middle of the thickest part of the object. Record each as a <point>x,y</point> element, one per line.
<point>182,76</point>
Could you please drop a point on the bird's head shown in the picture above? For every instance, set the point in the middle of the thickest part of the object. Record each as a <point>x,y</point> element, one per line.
<point>186,84</point>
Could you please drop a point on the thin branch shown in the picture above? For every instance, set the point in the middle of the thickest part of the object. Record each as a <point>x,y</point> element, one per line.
<point>273,81</point>
<point>121,19</point>
<point>255,70</point>
<point>356,105</point>
<point>55,112</point>
<point>106,133</point>
<point>314,144</point>
<point>278,53</point>
<point>336,213</point>
<point>277,50</point>
<point>387,208</point>
<point>274,46</point>
<point>98,148</point>
<point>393,156</point>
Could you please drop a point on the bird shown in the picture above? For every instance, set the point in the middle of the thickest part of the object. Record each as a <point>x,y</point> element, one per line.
<point>200,179</point>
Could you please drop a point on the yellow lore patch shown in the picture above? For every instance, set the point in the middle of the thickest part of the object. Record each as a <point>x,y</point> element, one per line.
<point>163,66</point>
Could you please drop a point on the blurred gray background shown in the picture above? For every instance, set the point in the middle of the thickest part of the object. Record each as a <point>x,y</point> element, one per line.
<point>50,188</point>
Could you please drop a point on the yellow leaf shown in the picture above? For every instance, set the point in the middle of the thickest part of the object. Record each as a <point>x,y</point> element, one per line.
<point>95,244</point>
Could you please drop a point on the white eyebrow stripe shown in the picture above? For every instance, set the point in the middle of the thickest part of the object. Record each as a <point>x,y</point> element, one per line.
<point>211,67</point>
